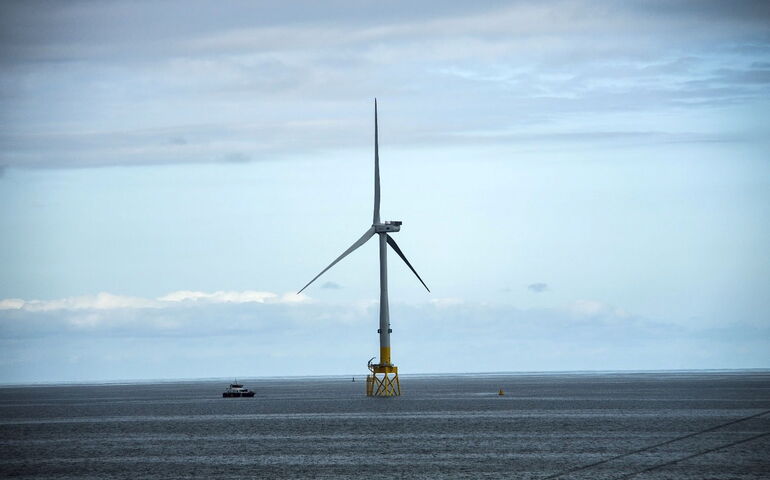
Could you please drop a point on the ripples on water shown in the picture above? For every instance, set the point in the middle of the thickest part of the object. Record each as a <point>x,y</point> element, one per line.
<point>442,427</point>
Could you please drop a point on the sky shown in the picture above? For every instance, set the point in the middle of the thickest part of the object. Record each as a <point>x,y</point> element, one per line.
<point>583,186</point>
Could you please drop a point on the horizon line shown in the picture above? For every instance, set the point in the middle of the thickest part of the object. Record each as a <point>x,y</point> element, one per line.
<point>139,381</point>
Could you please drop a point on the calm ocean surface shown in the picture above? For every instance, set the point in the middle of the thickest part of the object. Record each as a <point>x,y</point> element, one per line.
<point>442,427</point>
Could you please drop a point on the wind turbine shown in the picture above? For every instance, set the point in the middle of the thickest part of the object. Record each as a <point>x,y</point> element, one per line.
<point>383,381</point>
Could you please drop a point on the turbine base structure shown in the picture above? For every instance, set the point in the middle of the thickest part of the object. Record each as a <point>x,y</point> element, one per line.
<point>382,381</point>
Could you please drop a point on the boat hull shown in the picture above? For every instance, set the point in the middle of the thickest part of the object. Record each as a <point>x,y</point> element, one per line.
<point>237,394</point>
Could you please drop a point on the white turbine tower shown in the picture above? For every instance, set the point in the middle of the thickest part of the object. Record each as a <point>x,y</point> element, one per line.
<point>383,380</point>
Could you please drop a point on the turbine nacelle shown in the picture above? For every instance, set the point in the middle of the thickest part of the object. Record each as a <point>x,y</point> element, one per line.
<point>388,226</point>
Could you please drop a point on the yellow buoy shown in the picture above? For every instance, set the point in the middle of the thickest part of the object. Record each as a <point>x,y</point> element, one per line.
<point>501,392</point>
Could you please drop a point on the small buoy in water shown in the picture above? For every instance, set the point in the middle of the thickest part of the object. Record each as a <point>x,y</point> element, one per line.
<point>354,379</point>
<point>501,392</point>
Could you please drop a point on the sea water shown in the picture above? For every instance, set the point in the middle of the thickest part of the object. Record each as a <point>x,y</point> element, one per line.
<point>441,427</point>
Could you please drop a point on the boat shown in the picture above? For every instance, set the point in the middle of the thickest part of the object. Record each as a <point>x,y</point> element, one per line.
<point>237,390</point>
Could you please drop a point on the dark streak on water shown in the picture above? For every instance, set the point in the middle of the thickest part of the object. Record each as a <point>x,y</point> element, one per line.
<point>442,427</point>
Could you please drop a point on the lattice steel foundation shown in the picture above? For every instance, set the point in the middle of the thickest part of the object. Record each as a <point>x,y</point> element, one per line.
<point>383,381</point>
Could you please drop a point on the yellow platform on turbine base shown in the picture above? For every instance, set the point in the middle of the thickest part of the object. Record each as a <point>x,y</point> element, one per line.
<point>383,381</point>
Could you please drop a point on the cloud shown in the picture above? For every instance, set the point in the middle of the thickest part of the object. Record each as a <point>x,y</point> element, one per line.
<point>291,297</point>
<point>252,86</point>
<point>237,157</point>
<point>194,313</point>
<point>108,301</point>
<point>331,286</point>
<point>593,308</point>
<point>537,287</point>
<point>11,304</point>
<point>445,302</point>
<point>178,314</point>
<point>100,301</point>
<point>194,334</point>
<point>218,297</point>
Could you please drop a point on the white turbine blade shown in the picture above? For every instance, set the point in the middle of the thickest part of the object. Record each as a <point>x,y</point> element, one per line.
<point>376,218</point>
<point>366,236</point>
<point>393,244</point>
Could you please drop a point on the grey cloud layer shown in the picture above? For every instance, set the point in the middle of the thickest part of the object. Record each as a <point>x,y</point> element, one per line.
<point>108,83</point>
<point>190,339</point>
